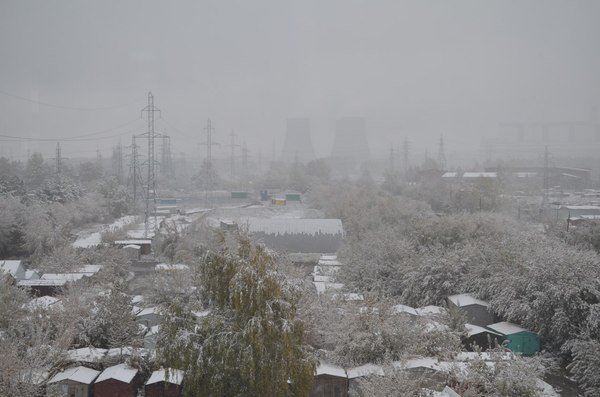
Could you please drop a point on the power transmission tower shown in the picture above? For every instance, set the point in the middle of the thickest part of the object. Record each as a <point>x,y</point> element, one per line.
<point>233,146</point>
<point>442,155</point>
<point>209,144</point>
<point>135,175</point>
<point>244,164</point>
<point>151,181</point>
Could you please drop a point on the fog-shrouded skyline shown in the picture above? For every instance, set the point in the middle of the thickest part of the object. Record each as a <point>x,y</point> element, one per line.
<point>410,68</point>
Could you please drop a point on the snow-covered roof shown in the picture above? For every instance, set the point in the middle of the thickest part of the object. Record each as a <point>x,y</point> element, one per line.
<point>63,276</point>
<point>461,300</point>
<point>479,175</point>
<point>121,372</point>
<point>404,309</point>
<point>581,207</point>
<point>525,174</point>
<point>175,376</point>
<point>329,262</point>
<point>154,330</point>
<point>174,266</point>
<point>133,242</point>
<point>12,267</point>
<point>328,257</point>
<point>330,369</point>
<point>485,356</point>
<point>86,354</point>
<point>201,314</point>
<point>137,299</point>
<point>133,246</point>
<point>89,269</point>
<point>506,328</point>
<point>427,310</point>
<point>473,329</point>
<point>42,283</point>
<point>420,362</point>
<point>365,370</point>
<point>281,226</point>
<point>325,279</point>
<point>450,175</point>
<point>31,275</point>
<point>76,374</point>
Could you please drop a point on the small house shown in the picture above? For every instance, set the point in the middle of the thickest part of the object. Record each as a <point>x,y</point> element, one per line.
<point>144,244</point>
<point>165,383</point>
<point>73,382</point>
<point>330,381</point>
<point>477,311</point>
<point>484,338</point>
<point>117,381</point>
<point>519,339</point>
<point>239,195</point>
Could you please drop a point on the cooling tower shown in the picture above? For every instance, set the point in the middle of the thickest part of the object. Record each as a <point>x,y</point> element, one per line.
<point>298,145</point>
<point>350,139</point>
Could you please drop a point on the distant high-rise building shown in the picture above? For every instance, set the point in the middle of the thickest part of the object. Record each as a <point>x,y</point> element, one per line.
<point>351,139</point>
<point>297,145</point>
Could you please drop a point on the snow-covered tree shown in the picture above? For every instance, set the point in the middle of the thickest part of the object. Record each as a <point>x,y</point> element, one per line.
<point>252,342</point>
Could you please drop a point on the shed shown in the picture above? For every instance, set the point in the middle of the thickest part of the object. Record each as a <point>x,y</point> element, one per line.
<point>476,310</point>
<point>117,381</point>
<point>483,337</point>
<point>330,381</point>
<point>165,383</point>
<point>279,202</point>
<point>73,382</point>
<point>43,287</point>
<point>239,195</point>
<point>293,196</point>
<point>519,339</point>
<point>144,244</point>
<point>133,251</point>
<point>14,268</point>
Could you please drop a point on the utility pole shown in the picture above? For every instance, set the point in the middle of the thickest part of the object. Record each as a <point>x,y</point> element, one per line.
<point>151,181</point>
<point>233,145</point>
<point>442,155</point>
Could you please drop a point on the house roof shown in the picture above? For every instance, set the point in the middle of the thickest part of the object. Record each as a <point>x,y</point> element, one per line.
<point>365,370</point>
<point>63,276</point>
<point>133,242</point>
<point>133,246</point>
<point>148,310</point>
<point>473,329</point>
<point>11,267</point>
<point>330,369</point>
<point>175,376</point>
<point>506,328</point>
<point>419,362</point>
<point>479,175</point>
<point>322,286</point>
<point>461,300</point>
<point>121,372</point>
<point>76,374</point>
<point>42,283</point>
<point>328,257</point>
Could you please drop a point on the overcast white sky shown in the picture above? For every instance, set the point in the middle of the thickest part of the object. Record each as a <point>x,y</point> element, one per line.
<point>412,68</point>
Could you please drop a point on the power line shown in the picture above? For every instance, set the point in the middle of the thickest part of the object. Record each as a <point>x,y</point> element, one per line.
<point>83,137</point>
<point>52,105</point>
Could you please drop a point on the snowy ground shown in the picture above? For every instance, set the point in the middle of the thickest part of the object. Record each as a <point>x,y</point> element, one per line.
<point>91,237</point>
